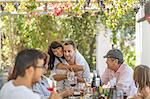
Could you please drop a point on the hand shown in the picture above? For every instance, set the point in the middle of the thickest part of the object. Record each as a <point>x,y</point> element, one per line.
<point>80,79</point>
<point>55,95</point>
<point>77,74</point>
<point>145,91</point>
<point>138,96</point>
<point>67,92</point>
<point>69,68</point>
<point>77,68</point>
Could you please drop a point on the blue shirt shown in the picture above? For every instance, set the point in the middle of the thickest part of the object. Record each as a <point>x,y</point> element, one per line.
<point>41,88</point>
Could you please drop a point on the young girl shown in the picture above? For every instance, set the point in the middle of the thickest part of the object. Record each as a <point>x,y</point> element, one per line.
<point>142,80</point>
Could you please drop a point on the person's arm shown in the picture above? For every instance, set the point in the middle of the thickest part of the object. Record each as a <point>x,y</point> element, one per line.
<point>86,71</point>
<point>62,66</point>
<point>77,68</point>
<point>80,79</point>
<point>138,96</point>
<point>67,92</point>
<point>105,77</point>
<point>59,77</point>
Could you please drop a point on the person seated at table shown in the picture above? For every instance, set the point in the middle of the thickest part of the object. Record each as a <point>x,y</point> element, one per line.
<point>75,59</point>
<point>142,80</point>
<point>57,60</point>
<point>42,87</point>
<point>27,71</point>
<point>117,73</point>
<point>59,65</point>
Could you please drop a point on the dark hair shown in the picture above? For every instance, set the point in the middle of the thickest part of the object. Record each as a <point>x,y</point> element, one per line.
<point>120,61</point>
<point>142,76</point>
<point>13,74</point>
<point>70,42</point>
<point>53,45</point>
<point>25,59</point>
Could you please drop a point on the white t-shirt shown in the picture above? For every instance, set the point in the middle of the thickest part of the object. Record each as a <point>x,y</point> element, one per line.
<point>80,60</point>
<point>9,91</point>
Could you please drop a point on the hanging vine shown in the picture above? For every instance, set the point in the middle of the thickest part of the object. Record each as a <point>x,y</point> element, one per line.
<point>68,20</point>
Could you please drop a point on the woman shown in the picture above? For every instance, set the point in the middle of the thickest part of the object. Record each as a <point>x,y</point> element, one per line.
<point>59,66</point>
<point>55,51</point>
<point>142,80</point>
<point>57,62</point>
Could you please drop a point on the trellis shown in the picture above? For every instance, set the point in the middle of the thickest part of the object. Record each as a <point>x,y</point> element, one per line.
<point>43,12</point>
<point>40,12</point>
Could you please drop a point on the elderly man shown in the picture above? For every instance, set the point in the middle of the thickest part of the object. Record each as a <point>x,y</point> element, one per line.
<point>117,73</point>
<point>147,13</point>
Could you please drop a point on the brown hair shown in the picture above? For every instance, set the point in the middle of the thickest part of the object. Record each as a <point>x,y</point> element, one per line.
<point>142,76</point>
<point>53,45</point>
<point>70,42</point>
<point>25,59</point>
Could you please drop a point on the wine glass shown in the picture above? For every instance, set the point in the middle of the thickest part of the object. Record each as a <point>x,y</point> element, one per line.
<point>126,92</point>
<point>81,87</point>
<point>70,76</point>
<point>73,82</point>
<point>72,79</point>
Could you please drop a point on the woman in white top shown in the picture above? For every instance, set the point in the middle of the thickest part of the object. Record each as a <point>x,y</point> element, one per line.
<point>55,52</point>
<point>58,64</point>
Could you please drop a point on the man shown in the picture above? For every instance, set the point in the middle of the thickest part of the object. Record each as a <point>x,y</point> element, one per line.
<point>76,60</point>
<point>147,13</point>
<point>118,74</point>
<point>28,71</point>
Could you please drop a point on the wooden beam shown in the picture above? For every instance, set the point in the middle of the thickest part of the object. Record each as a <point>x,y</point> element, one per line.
<point>39,1</point>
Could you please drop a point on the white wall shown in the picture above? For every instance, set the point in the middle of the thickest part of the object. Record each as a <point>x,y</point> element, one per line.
<point>103,45</point>
<point>142,40</point>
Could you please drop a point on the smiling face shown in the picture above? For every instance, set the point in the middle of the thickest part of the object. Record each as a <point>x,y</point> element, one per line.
<point>69,52</point>
<point>58,51</point>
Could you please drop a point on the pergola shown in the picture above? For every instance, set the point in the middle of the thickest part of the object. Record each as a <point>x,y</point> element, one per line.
<point>44,9</point>
<point>85,7</point>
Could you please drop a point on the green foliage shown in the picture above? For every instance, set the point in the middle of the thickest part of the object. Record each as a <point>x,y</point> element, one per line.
<point>37,31</point>
<point>82,31</point>
<point>119,17</point>
<point>21,32</point>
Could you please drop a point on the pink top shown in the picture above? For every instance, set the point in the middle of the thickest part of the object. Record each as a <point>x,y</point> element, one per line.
<point>123,79</point>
